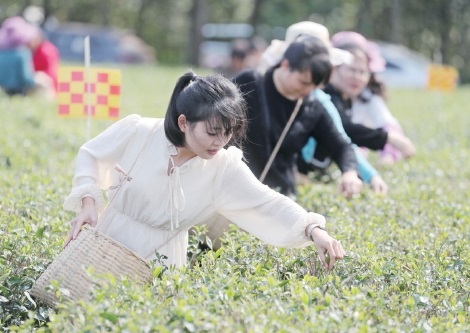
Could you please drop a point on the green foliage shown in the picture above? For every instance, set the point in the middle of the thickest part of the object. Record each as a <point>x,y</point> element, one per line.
<point>435,28</point>
<point>407,268</point>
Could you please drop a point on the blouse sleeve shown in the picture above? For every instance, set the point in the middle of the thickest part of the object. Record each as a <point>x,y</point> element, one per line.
<point>261,211</point>
<point>95,162</point>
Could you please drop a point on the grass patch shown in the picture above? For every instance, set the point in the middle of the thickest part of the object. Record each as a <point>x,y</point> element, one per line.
<point>407,269</point>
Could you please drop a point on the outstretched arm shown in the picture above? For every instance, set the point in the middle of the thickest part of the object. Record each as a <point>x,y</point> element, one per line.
<point>269,215</point>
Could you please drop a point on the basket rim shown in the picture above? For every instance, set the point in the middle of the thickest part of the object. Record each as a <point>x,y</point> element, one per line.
<point>112,240</point>
<point>141,272</point>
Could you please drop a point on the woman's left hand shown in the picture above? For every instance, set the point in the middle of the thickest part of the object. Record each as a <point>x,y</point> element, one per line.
<point>378,185</point>
<point>326,244</point>
<point>350,184</point>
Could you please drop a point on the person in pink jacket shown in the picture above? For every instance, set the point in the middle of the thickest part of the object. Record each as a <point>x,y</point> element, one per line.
<point>369,107</point>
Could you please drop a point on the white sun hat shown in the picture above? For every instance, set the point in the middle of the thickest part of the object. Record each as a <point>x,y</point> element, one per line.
<point>273,54</point>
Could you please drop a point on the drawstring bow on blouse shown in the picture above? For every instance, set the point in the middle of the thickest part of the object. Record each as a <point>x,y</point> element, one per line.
<point>176,200</point>
<point>122,177</point>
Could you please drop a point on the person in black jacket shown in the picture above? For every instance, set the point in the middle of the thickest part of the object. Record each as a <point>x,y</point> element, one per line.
<point>271,98</point>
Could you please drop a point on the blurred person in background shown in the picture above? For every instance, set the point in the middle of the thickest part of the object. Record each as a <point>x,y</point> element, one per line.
<point>24,46</point>
<point>369,108</point>
<point>16,60</point>
<point>16,71</point>
<point>244,54</point>
<point>46,61</point>
<point>272,97</point>
<point>238,54</point>
<point>318,153</point>
<point>346,83</point>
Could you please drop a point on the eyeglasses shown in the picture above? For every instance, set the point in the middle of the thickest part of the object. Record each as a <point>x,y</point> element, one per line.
<point>351,70</point>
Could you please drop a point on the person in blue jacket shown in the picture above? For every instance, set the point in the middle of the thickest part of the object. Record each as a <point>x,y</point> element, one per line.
<point>17,72</point>
<point>307,160</point>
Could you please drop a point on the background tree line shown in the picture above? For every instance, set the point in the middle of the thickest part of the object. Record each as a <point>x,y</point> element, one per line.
<point>439,29</point>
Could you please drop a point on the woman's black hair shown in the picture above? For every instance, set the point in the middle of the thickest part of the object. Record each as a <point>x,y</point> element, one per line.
<point>308,52</point>
<point>377,86</point>
<point>213,99</point>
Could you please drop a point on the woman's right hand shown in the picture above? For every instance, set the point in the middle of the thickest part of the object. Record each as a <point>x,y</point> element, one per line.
<point>88,214</point>
<point>327,245</point>
<point>402,143</point>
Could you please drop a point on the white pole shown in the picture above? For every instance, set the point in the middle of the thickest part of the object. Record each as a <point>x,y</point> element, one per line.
<point>87,85</point>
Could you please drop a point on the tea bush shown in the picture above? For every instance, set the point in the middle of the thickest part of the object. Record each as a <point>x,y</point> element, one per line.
<point>408,253</point>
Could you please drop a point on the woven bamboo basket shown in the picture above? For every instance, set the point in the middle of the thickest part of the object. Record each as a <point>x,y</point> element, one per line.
<point>90,249</point>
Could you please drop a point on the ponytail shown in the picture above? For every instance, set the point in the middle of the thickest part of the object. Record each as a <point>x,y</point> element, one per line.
<point>172,130</point>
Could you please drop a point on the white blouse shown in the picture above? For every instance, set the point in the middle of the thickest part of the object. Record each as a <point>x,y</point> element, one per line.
<point>152,211</point>
<point>373,113</point>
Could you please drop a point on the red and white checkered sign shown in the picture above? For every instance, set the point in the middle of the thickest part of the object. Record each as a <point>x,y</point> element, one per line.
<point>105,92</point>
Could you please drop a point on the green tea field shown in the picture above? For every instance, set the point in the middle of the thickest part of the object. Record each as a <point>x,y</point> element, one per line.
<point>408,254</point>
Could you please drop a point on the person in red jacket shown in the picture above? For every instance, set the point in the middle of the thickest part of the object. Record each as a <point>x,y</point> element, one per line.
<point>46,62</point>
<point>45,57</point>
